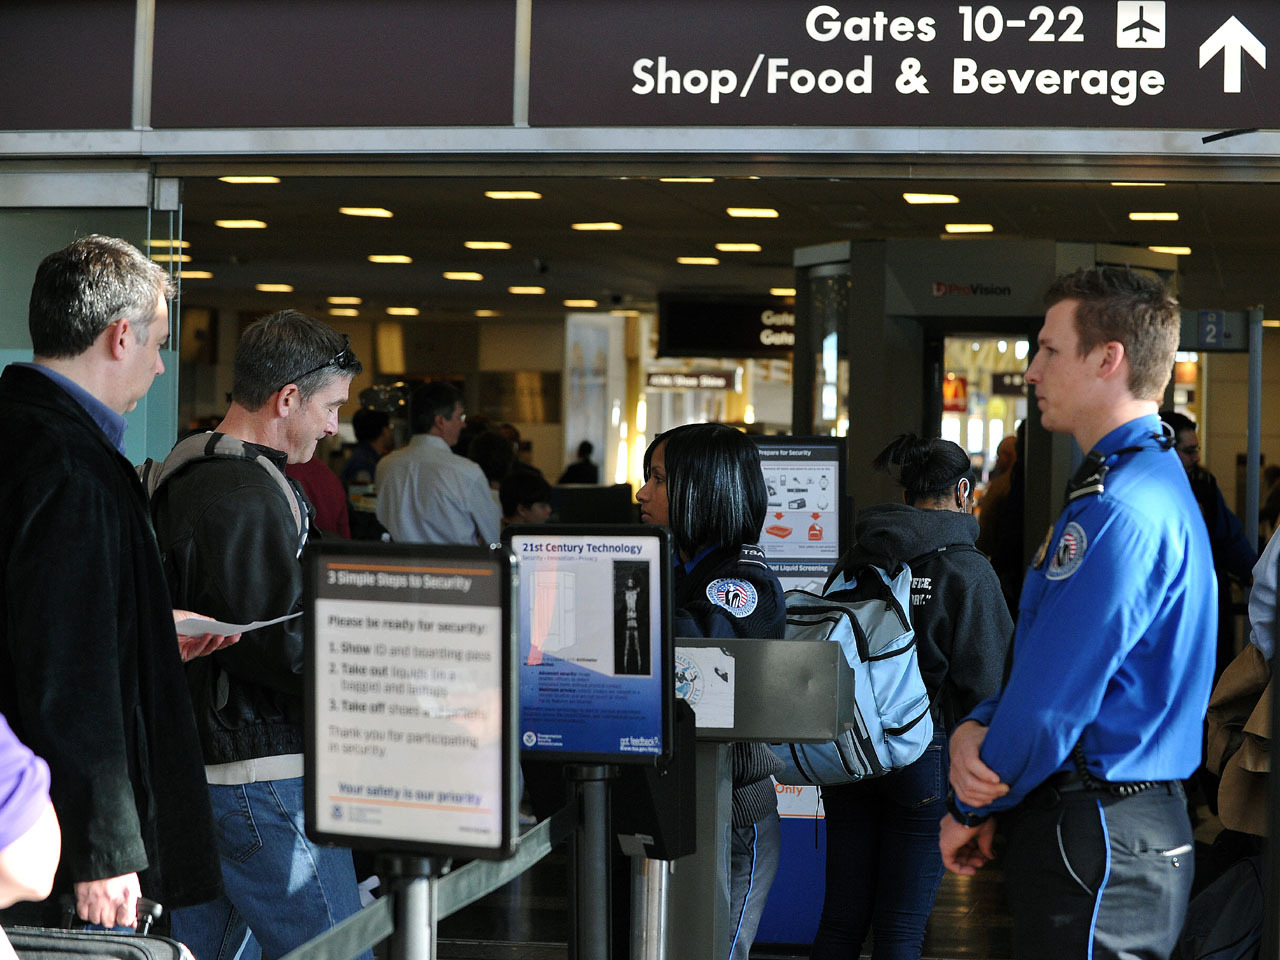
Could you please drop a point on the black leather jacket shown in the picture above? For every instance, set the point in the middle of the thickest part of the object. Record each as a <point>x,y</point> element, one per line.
<point>230,538</point>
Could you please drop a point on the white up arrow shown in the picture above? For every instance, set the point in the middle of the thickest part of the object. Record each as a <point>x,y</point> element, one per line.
<point>1232,38</point>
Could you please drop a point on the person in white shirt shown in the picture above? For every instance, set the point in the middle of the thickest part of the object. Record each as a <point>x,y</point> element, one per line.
<point>427,493</point>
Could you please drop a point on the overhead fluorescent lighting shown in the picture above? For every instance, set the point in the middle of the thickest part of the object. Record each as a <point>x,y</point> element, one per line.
<point>782,291</point>
<point>389,258</point>
<point>196,275</point>
<point>513,195</point>
<point>252,179</point>
<point>488,313</point>
<point>699,261</point>
<point>738,247</point>
<point>1136,183</point>
<point>169,244</point>
<point>605,225</point>
<point>381,212</point>
<point>1177,251</point>
<point>171,257</point>
<point>624,313</point>
<point>759,213</point>
<point>273,287</point>
<point>486,245</point>
<point>930,198</point>
<point>403,311</point>
<point>343,312</point>
<point>241,224</point>
<point>583,304</point>
<point>462,275</point>
<point>344,301</point>
<point>969,228</point>
<point>532,291</point>
<point>686,179</point>
<point>1141,215</point>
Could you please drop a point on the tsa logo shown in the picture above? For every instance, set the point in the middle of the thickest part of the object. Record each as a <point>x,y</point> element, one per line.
<point>1069,553</point>
<point>529,738</point>
<point>689,685</point>
<point>737,596</point>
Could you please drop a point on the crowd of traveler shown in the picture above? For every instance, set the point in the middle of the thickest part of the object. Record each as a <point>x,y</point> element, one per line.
<point>137,760</point>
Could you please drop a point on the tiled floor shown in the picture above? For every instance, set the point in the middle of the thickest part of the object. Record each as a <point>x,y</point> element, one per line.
<point>528,919</point>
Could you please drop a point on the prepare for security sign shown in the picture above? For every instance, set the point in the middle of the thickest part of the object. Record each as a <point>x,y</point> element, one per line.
<point>1122,62</point>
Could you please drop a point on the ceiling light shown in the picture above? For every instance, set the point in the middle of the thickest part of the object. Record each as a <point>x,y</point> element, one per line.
<point>699,261</point>
<point>1176,251</point>
<point>606,225</point>
<point>528,290</point>
<point>625,313</point>
<point>1271,323</point>
<point>389,258</point>
<point>249,179</point>
<point>403,311</point>
<point>513,195</point>
<point>381,212</point>
<point>1020,349</point>
<point>930,198</point>
<point>273,287</point>
<point>343,312</point>
<point>462,275</point>
<point>170,244</point>
<point>486,245</point>
<point>488,313</point>
<point>171,257</point>
<point>587,304</point>
<point>241,224</point>
<point>969,228</point>
<point>738,247</point>
<point>341,301</point>
<point>782,291</point>
<point>196,275</point>
<point>686,179</point>
<point>1153,216</point>
<point>762,213</point>
<point>1136,183</point>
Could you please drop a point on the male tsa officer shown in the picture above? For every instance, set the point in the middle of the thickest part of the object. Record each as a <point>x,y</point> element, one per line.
<point>1082,752</point>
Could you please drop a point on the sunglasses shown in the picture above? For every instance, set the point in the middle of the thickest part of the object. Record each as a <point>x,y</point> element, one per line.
<point>343,359</point>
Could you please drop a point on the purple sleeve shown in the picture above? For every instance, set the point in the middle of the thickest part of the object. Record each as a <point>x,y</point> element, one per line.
<point>24,786</point>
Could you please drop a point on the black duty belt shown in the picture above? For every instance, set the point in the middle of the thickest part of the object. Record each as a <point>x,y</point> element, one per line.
<point>1066,781</point>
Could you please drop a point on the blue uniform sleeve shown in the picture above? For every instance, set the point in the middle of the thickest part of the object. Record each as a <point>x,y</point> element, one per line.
<point>1091,601</point>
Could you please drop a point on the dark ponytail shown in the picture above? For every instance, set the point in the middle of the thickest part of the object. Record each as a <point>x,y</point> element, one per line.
<point>926,469</point>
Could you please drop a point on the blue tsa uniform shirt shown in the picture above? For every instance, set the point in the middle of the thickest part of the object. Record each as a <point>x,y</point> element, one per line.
<point>1115,641</point>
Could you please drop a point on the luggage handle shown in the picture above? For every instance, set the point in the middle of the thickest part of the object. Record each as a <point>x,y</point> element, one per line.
<point>149,912</point>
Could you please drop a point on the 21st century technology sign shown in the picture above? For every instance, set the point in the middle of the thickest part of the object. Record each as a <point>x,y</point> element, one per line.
<point>1119,63</point>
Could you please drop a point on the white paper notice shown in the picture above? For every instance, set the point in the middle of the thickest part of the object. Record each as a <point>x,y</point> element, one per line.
<point>196,627</point>
<point>705,680</point>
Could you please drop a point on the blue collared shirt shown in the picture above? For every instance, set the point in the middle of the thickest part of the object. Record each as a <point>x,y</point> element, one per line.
<point>110,422</point>
<point>1117,632</point>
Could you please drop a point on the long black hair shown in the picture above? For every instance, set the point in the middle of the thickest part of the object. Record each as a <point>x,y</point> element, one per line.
<point>926,469</point>
<point>715,488</point>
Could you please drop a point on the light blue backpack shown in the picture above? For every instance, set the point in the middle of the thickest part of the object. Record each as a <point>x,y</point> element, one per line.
<point>870,618</point>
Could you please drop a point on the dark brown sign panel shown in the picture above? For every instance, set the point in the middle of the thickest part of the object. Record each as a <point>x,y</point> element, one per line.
<point>333,63</point>
<point>1110,63</point>
<point>67,65</point>
<point>724,326</point>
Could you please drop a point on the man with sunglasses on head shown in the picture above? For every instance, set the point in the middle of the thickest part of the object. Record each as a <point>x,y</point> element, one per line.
<point>231,528</point>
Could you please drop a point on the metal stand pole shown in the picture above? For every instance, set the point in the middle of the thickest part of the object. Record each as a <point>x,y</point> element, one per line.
<point>409,879</point>
<point>650,894</point>
<point>589,897</point>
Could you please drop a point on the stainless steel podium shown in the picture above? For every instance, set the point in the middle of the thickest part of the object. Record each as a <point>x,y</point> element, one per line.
<point>785,691</point>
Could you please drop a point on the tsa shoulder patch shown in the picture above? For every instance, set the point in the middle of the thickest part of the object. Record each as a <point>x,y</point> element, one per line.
<point>737,596</point>
<point>1068,554</point>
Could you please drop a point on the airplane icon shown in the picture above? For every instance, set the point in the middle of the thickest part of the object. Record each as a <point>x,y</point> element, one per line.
<point>1140,24</point>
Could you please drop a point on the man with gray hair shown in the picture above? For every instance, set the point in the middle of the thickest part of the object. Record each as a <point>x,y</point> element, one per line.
<point>231,528</point>
<point>90,667</point>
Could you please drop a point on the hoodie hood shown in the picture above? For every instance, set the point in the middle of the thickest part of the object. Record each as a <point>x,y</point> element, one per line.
<point>895,532</point>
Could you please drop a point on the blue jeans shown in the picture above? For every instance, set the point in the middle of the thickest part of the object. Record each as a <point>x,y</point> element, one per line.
<point>753,863</point>
<point>883,864</point>
<point>281,890</point>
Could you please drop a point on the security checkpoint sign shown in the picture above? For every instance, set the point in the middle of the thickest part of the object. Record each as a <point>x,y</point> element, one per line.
<point>1114,63</point>
<point>409,698</point>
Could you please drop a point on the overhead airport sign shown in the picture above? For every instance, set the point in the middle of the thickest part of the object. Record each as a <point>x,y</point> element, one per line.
<point>1117,63</point>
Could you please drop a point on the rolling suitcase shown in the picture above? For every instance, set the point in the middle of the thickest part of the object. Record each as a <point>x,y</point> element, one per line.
<point>50,943</point>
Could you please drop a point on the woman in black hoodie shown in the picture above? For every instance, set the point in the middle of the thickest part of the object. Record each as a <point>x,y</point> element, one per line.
<point>883,864</point>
